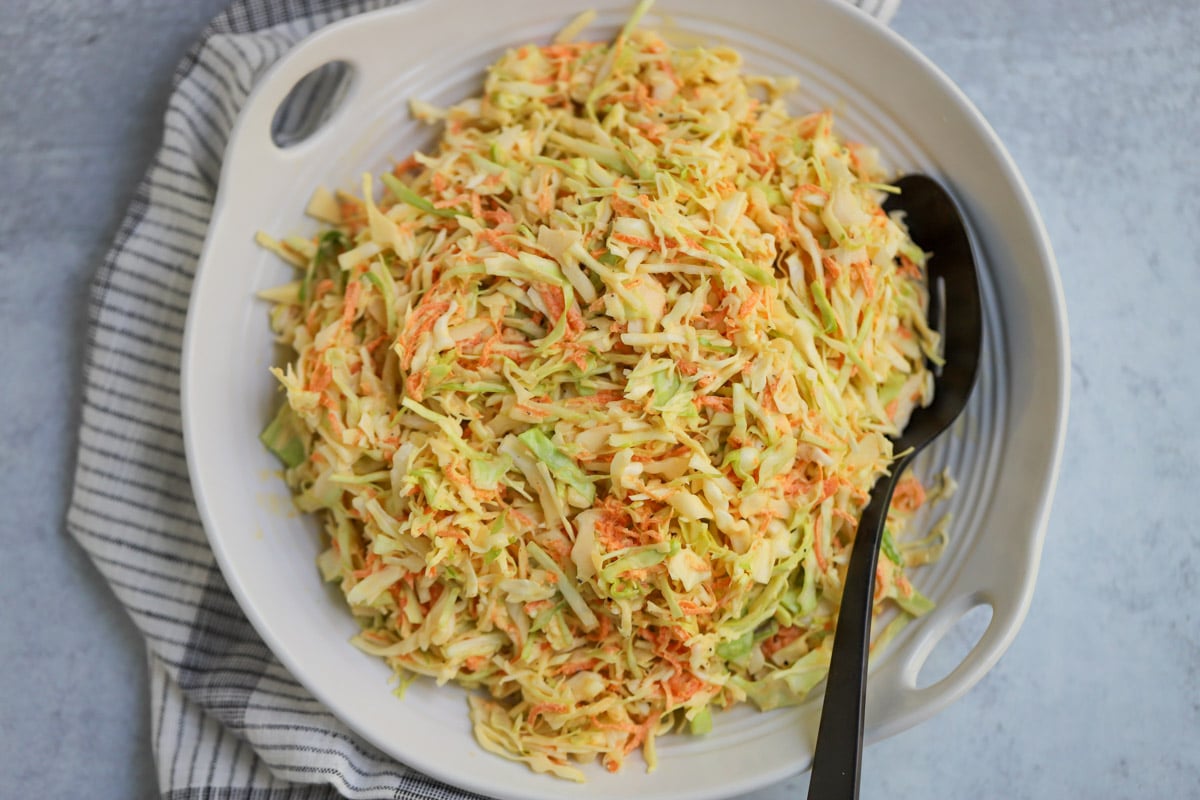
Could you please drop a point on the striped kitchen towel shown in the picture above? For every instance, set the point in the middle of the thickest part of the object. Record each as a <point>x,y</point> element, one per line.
<point>228,721</point>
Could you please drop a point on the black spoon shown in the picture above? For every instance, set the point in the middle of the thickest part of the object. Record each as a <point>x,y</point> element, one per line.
<point>936,225</point>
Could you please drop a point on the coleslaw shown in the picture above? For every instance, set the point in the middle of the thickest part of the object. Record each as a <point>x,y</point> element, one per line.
<point>590,397</point>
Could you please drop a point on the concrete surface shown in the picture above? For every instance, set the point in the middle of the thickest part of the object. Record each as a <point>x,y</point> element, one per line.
<point>1099,104</point>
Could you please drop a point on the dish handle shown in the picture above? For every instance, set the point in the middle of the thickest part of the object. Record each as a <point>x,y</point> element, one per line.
<point>341,42</point>
<point>896,692</point>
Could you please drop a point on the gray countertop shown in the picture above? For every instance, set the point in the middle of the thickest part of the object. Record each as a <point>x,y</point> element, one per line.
<point>1099,104</point>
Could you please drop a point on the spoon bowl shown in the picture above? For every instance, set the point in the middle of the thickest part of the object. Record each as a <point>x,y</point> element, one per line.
<point>937,225</point>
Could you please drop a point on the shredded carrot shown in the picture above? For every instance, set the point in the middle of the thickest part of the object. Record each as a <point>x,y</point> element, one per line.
<point>908,267</point>
<point>350,307</point>
<point>571,667</point>
<point>909,494</point>
<point>637,241</point>
<point>782,638</point>
<point>493,237</point>
<point>407,165</point>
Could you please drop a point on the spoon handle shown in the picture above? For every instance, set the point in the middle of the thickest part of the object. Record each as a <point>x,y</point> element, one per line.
<point>838,756</point>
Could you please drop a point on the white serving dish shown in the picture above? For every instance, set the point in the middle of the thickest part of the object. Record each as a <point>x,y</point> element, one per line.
<point>1005,453</point>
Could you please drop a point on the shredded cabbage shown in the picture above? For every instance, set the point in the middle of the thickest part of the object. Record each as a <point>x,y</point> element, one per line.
<point>591,396</point>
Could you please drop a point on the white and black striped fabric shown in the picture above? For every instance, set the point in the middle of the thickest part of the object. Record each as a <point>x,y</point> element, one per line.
<point>228,721</point>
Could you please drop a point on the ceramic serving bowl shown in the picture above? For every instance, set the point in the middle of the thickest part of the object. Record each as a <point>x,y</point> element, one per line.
<point>1004,454</point>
